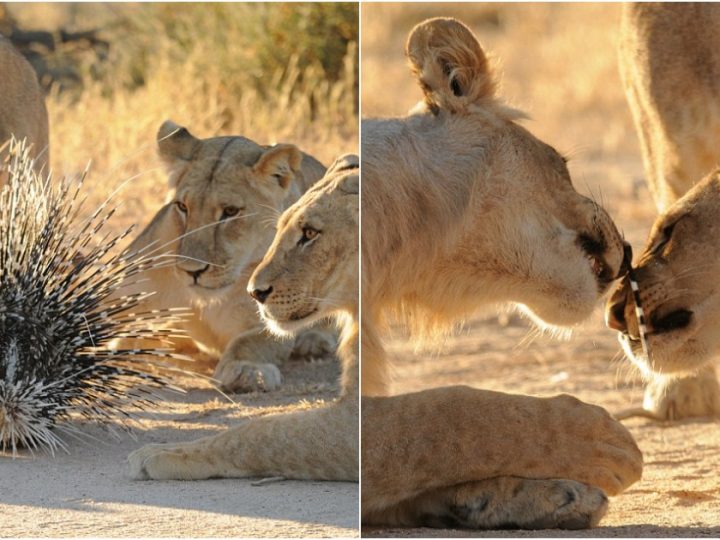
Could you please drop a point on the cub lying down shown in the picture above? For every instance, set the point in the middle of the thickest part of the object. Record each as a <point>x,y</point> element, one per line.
<point>309,272</point>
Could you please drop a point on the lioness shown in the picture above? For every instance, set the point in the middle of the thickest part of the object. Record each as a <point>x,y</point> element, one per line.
<point>22,107</point>
<point>225,195</point>
<point>310,272</point>
<point>464,207</point>
<point>677,279</point>
<point>670,67</point>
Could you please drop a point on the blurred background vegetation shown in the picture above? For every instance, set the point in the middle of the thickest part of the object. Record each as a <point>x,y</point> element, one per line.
<point>114,72</point>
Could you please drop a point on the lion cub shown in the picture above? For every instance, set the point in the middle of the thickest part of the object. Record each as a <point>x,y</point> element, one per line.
<point>463,207</point>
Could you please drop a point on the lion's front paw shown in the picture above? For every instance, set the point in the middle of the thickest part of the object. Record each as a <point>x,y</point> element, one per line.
<point>597,449</point>
<point>570,504</point>
<point>240,376</point>
<point>511,502</point>
<point>158,462</point>
<point>530,504</point>
<point>689,397</point>
<point>313,344</point>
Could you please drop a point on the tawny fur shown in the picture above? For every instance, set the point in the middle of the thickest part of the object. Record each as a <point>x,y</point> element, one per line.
<point>320,443</point>
<point>463,207</point>
<point>670,66</point>
<point>22,107</point>
<point>677,272</point>
<point>207,176</point>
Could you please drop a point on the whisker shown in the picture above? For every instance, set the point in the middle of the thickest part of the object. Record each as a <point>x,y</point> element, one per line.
<point>185,235</point>
<point>187,257</point>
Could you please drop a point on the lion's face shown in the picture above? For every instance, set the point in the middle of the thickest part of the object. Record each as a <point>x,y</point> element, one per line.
<point>480,210</point>
<point>227,192</point>
<point>677,275</point>
<point>311,269</point>
<point>548,248</point>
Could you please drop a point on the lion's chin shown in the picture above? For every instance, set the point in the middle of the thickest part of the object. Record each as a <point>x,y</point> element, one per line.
<point>293,324</point>
<point>669,355</point>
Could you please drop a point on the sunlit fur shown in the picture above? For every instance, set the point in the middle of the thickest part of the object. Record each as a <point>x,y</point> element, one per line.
<point>320,443</point>
<point>24,115</point>
<point>206,178</point>
<point>464,207</point>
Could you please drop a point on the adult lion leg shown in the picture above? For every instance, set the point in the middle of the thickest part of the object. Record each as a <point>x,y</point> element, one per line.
<point>250,362</point>
<point>500,503</point>
<point>678,143</point>
<point>319,444</point>
<point>443,437</point>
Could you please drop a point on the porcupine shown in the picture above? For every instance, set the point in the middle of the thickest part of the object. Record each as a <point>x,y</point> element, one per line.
<point>61,304</point>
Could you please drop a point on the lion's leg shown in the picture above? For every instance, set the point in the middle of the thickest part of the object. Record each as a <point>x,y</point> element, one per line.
<point>500,503</point>
<point>317,342</point>
<point>442,437</point>
<point>250,362</point>
<point>669,398</point>
<point>320,444</point>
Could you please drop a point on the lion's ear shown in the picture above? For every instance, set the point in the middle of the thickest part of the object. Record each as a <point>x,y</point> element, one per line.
<point>175,142</point>
<point>175,146</point>
<point>344,163</point>
<point>281,162</point>
<point>450,65</point>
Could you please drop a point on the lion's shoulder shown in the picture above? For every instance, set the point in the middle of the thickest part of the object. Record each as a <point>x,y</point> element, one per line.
<point>22,105</point>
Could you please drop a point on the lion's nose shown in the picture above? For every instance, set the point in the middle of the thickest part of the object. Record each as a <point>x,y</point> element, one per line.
<point>615,309</point>
<point>626,264</point>
<point>195,274</point>
<point>261,294</point>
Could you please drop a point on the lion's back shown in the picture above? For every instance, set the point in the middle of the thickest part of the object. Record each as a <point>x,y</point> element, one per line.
<point>22,105</point>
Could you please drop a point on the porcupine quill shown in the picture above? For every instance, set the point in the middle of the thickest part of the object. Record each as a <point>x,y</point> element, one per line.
<point>639,313</point>
<point>61,306</point>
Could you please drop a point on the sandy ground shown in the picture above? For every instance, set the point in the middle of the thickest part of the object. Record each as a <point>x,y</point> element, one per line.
<point>558,63</point>
<point>679,494</point>
<point>89,493</point>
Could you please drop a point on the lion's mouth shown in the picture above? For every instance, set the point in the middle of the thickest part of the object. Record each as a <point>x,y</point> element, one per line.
<point>675,321</point>
<point>678,319</point>
<point>303,315</point>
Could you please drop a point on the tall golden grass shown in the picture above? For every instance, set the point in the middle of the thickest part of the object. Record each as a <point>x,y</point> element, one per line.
<point>273,73</point>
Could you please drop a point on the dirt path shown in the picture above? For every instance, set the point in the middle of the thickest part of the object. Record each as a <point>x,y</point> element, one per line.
<point>89,493</point>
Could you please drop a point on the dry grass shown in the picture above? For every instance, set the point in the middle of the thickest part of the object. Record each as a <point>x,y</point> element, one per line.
<point>209,67</point>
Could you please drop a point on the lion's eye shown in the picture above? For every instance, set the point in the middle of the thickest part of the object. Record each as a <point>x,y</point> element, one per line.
<point>181,206</point>
<point>309,234</point>
<point>229,211</point>
<point>665,237</point>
